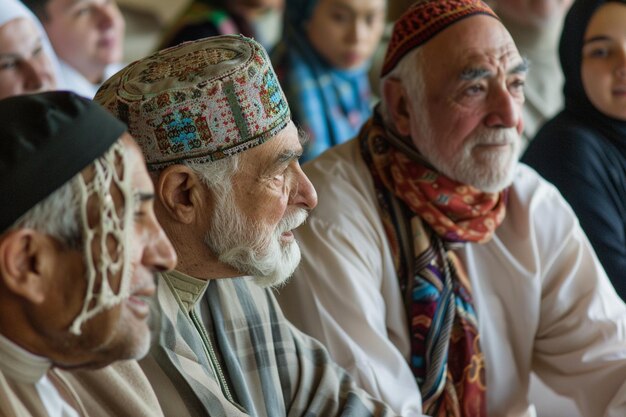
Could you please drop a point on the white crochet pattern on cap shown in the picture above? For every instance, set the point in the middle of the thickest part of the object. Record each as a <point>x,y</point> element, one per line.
<point>113,225</point>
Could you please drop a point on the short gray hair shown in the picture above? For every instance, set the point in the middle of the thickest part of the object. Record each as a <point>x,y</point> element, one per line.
<point>56,215</point>
<point>217,176</point>
<point>410,72</point>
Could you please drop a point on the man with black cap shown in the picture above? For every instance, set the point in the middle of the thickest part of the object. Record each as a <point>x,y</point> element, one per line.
<point>438,270</point>
<point>79,244</point>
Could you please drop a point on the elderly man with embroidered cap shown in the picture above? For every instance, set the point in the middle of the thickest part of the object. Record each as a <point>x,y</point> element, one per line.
<point>216,132</point>
<point>438,270</point>
<point>79,244</point>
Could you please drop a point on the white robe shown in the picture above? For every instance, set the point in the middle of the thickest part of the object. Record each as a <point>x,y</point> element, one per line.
<point>26,388</point>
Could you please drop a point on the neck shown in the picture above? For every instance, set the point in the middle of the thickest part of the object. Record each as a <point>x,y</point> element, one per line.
<point>196,259</point>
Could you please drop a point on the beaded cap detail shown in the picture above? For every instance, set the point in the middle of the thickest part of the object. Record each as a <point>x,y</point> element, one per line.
<point>425,19</point>
<point>199,101</point>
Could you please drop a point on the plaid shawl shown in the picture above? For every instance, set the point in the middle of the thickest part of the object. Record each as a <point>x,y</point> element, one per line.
<point>229,344</point>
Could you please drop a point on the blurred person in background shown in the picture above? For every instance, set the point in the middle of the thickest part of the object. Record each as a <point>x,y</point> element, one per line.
<point>88,38</point>
<point>535,26</point>
<point>322,63</point>
<point>583,149</point>
<point>27,62</point>
<point>258,19</point>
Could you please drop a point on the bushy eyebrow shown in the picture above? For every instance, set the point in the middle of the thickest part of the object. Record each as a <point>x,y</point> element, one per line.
<point>476,73</point>
<point>521,68</point>
<point>287,156</point>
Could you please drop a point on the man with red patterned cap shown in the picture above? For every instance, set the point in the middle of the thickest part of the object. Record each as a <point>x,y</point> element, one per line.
<point>438,270</point>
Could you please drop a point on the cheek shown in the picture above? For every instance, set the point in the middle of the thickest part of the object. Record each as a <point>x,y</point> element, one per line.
<point>327,41</point>
<point>596,81</point>
<point>10,85</point>
<point>99,330</point>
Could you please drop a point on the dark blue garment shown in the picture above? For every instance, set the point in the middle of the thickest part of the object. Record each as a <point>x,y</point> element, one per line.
<point>583,152</point>
<point>589,169</point>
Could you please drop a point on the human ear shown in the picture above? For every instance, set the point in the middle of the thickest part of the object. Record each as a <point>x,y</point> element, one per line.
<point>24,254</point>
<point>178,190</point>
<point>397,104</point>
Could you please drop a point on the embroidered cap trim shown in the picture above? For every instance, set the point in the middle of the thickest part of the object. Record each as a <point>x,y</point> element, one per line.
<point>198,101</point>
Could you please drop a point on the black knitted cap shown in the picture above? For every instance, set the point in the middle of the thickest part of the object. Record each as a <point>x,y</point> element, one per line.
<point>46,139</point>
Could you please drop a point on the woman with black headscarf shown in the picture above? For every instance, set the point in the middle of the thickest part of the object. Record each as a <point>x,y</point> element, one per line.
<point>583,149</point>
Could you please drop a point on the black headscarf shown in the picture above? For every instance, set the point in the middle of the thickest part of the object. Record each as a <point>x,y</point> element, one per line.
<point>570,53</point>
<point>46,139</point>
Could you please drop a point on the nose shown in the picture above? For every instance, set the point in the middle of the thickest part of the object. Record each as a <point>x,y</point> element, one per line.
<point>105,15</point>
<point>159,254</point>
<point>358,31</point>
<point>620,67</point>
<point>504,109</point>
<point>303,193</point>
<point>36,76</point>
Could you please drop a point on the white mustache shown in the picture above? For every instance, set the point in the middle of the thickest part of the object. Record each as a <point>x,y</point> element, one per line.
<point>500,137</point>
<point>292,220</point>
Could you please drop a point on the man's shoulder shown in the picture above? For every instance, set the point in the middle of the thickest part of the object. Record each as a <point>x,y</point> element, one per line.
<point>536,208</point>
<point>528,185</point>
<point>339,164</point>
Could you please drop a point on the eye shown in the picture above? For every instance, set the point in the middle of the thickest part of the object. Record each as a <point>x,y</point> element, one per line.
<point>372,18</point>
<point>597,52</point>
<point>474,90</point>
<point>7,65</point>
<point>279,178</point>
<point>517,85</point>
<point>141,207</point>
<point>340,17</point>
<point>83,11</point>
<point>38,50</point>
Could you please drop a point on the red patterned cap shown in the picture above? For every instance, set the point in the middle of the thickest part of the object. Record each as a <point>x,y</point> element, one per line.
<point>424,20</point>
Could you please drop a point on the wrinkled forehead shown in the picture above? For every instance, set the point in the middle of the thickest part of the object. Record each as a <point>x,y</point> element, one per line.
<point>17,35</point>
<point>476,40</point>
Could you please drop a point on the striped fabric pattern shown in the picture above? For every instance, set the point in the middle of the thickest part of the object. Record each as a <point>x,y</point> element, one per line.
<point>266,366</point>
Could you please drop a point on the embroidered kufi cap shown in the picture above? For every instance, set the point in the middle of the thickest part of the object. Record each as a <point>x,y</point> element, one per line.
<point>198,101</point>
<point>46,139</point>
<point>425,19</point>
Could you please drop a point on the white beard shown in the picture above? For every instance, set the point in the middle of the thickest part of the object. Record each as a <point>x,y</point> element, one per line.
<point>490,172</point>
<point>250,248</point>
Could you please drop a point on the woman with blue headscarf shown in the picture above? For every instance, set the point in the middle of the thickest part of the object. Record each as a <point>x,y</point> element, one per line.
<point>322,63</point>
<point>583,149</point>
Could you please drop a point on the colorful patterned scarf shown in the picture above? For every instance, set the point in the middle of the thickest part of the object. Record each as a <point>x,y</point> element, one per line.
<point>438,214</point>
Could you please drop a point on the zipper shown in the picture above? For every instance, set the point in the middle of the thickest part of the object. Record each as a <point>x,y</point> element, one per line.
<point>217,369</point>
